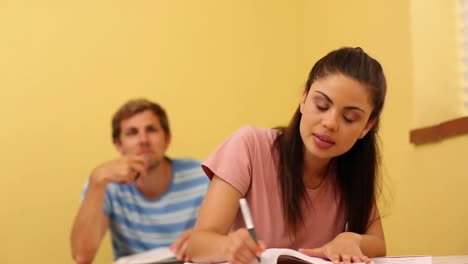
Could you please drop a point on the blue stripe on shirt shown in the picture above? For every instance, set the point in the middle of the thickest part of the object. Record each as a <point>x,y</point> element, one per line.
<point>136,244</point>
<point>155,228</point>
<point>182,186</point>
<point>175,207</point>
<point>136,221</point>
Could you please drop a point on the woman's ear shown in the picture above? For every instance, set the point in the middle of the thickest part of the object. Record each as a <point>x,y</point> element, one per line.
<point>368,127</point>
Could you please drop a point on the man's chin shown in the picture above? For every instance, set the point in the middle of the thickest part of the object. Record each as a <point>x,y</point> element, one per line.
<point>154,165</point>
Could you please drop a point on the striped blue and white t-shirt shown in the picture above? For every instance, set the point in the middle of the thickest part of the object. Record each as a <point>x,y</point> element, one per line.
<point>138,224</point>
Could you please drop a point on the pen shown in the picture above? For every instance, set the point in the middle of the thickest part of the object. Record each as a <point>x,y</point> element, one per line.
<point>248,219</point>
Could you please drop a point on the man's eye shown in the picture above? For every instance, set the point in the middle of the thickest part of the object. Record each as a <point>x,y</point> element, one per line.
<point>131,132</point>
<point>151,129</point>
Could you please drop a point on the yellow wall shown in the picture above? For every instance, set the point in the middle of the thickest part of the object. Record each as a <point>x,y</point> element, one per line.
<point>436,63</point>
<point>65,66</point>
<point>437,87</point>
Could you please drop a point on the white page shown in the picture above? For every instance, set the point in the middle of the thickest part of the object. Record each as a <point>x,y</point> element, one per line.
<point>153,255</point>
<point>271,255</point>
<point>404,260</point>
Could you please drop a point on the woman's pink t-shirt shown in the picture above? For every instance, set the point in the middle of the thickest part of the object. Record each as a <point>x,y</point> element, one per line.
<point>246,161</point>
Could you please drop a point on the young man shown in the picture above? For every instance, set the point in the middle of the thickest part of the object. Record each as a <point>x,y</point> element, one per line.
<point>146,199</point>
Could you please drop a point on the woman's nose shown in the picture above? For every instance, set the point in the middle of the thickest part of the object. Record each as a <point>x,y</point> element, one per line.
<point>330,121</point>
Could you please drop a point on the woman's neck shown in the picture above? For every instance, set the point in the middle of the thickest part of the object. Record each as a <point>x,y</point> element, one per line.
<point>314,171</point>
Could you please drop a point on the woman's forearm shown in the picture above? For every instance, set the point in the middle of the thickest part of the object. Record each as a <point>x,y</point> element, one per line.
<point>373,246</point>
<point>205,246</point>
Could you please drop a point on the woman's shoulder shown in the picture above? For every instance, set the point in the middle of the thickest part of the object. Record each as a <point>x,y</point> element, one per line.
<point>247,139</point>
<point>257,133</point>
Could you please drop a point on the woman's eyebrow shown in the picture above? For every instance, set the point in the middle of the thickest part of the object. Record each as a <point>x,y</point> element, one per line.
<point>346,107</point>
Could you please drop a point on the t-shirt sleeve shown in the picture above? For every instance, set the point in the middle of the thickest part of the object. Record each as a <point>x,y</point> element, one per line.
<point>232,160</point>
<point>107,206</point>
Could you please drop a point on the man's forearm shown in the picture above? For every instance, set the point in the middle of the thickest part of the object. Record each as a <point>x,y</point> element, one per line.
<point>90,225</point>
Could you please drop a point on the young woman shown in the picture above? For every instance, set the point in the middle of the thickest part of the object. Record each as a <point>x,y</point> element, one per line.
<point>312,185</point>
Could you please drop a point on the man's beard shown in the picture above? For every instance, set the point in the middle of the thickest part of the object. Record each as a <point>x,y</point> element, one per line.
<point>154,165</point>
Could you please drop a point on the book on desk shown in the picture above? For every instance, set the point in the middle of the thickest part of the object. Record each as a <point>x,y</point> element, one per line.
<point>289,256</point>
<point>161,255</point>
<point>270,256</point>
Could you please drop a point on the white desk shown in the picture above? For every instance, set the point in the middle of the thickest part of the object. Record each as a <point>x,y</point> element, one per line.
<point>450,259</point>
<point>422,259</point>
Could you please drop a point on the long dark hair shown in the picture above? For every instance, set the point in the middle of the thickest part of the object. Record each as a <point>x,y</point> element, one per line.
<point>357,169</point>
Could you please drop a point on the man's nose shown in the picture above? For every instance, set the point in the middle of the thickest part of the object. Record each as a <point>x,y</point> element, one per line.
<point>143,137</point>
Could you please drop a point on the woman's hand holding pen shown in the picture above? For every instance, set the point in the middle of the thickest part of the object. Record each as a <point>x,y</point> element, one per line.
<point>345,248</point>
<point>240,248</point>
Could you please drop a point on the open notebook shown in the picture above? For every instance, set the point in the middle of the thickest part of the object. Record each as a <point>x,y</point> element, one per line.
<point>269,256</point>
<point>289,256</point>
<point>161,255</point>
<point>286,256</point>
